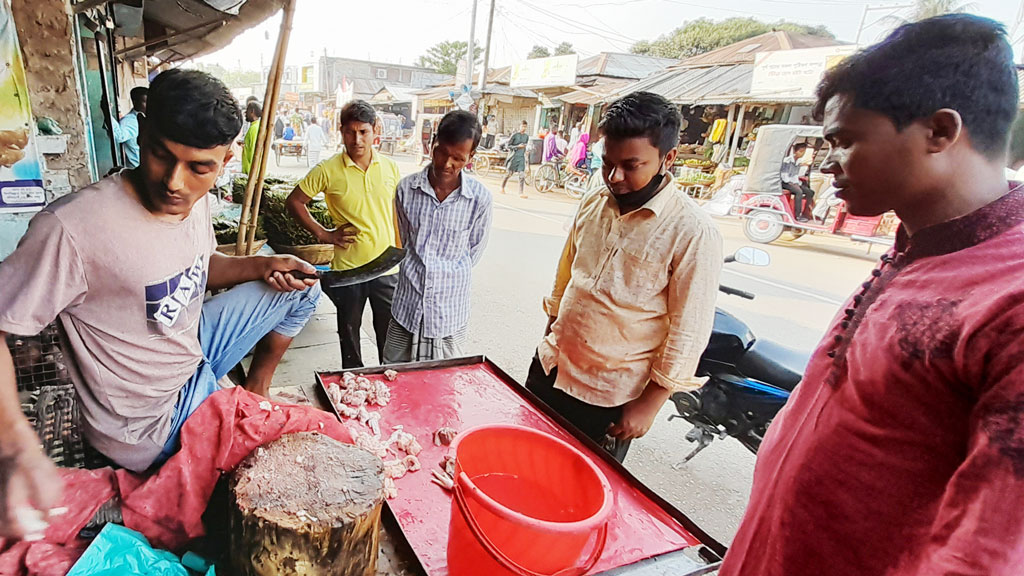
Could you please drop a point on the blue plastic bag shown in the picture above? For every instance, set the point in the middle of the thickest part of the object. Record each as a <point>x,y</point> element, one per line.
<point>119,551</point>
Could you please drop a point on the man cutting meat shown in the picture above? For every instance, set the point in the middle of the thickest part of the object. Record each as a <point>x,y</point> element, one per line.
<point>124,264</point>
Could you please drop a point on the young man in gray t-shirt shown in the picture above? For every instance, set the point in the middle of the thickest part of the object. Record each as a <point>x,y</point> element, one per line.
<point>124,264</point>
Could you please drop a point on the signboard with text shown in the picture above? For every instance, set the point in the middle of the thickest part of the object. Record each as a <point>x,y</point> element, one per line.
<point>545,72</point>
<point>794,73</point>
<point>21,175</point>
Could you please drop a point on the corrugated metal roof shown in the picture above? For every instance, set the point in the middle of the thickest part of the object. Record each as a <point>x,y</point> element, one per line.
<point>605,90</point>
<point>698,86</point>
<point>618,65</point>
<point>393,94</point>
<point>745,51</point>
<point>442,92</point>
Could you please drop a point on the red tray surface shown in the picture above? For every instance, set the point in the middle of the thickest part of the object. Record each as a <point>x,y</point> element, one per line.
<point>472,395</point>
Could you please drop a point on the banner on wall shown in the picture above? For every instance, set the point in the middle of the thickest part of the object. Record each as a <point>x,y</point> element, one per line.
<point>21,174</point>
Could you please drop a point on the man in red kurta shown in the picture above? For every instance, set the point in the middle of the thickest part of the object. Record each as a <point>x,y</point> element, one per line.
<point>902,451</point>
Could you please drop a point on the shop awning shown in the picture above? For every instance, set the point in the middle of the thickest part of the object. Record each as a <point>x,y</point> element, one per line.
<point>602,91</point>
<point>177,30</point>
<point>702,85</point>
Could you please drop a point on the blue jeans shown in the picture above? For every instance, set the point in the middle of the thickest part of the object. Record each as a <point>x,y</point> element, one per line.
<point>231,324</point>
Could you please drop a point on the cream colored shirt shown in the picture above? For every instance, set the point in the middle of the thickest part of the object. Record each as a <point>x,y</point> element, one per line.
<point>634,298</point>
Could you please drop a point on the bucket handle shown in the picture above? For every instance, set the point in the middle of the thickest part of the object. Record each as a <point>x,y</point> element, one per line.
<point>512,564</point>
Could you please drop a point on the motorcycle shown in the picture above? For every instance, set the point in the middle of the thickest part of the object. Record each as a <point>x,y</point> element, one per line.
<point>749,379</point>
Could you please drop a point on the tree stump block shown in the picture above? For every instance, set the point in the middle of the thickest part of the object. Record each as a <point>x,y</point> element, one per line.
<point>306,504</point>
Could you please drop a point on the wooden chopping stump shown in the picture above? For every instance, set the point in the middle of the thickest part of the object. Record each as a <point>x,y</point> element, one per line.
<point>306,504</point>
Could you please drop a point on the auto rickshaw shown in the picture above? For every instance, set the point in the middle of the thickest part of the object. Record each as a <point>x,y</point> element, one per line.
<point>767,208</point>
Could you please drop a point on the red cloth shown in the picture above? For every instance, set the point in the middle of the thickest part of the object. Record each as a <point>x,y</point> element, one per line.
<point>902,451</point>
<point>167,507</point>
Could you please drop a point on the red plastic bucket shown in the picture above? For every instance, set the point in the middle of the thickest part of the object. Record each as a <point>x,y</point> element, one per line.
<point>525,503</point>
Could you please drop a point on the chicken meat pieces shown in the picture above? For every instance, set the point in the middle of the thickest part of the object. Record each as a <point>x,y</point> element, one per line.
<point>444,435</point>
<point>405,442</point>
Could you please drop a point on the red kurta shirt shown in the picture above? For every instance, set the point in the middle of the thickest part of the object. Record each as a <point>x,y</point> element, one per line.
<point>902,451</point>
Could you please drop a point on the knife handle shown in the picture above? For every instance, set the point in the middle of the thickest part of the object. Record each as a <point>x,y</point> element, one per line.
<point>300,275</point>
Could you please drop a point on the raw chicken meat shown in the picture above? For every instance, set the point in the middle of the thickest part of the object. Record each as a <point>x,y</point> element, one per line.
<point>394,469</point>
<point>355,397</point>
<point>381,395</point>
<point>444,435</point>
<point>369,443</point>
<point>412,463</point>
<point>405,442</point>
<point>390,375</point>
<point>390,490</point>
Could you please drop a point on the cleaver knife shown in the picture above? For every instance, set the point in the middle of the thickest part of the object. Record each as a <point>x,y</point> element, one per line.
<point>375,268</point>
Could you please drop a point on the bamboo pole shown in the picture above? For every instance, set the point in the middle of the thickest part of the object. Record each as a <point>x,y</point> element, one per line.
<point>267,122</point>
<point>254,187</point>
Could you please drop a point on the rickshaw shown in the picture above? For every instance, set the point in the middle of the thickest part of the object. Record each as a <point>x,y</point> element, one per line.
<point>767,208</point>
<point>294,148</point>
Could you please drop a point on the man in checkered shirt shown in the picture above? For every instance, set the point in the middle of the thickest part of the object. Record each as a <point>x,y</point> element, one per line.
<point>444,217</point>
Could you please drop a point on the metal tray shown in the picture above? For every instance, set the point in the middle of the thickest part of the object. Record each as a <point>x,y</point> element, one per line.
<point>696,560</point>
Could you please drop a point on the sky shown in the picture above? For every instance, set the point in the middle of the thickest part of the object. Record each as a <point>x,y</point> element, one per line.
<point>399,31</point>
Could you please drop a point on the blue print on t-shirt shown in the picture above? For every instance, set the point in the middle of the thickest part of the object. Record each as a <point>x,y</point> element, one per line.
<point>166,300</point>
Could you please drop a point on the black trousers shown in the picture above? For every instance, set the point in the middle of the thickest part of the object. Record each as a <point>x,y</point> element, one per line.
<point>350,302</point>
<point>589,419</point>
<point>802,197</point>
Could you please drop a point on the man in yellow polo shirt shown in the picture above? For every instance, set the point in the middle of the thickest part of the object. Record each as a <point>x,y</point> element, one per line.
<point>359,186</point>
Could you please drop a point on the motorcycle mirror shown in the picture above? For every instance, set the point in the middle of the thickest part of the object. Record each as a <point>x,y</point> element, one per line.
<point>752,256</point>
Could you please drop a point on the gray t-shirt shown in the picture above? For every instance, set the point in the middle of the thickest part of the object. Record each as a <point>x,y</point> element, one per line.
<point>128,289</point>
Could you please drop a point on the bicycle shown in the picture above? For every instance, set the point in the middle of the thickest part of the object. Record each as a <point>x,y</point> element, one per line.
<point>552,174</point>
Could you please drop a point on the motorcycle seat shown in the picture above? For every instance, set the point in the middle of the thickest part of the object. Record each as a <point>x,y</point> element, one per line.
<point>773,364</point>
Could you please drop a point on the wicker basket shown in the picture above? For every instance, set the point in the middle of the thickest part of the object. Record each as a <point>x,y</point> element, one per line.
<point>315,254</point>
<point>229,249</point>
<point>48,398</point>
<point>47,395</point>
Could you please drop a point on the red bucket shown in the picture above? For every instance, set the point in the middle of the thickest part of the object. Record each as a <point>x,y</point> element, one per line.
<point>525,503</point>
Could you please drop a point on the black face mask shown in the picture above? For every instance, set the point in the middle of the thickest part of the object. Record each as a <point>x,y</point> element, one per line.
<point>633,200</point>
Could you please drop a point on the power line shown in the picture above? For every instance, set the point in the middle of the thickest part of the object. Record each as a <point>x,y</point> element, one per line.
<point>597,31</point>
<point>570,32</point>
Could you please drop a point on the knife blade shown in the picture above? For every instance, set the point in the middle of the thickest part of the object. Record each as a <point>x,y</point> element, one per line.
<point>373,269</point>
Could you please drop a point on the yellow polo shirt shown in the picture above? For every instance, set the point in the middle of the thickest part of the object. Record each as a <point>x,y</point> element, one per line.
<point>364,199</point>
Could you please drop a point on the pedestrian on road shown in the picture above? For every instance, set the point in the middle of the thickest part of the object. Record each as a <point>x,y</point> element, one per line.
<point>634,298</point>
<point>902,450</point>
<point>253,111</point>
<point>516,163</point>
<point>561,144</point>
<point>359,187</point>
<point>550,147</point>
<point>444,217</point>
<point>315,141</point>
<point>278,127</point>
<point>574,134</point>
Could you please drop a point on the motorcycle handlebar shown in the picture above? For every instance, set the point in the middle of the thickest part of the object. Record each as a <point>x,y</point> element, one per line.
<point>736,292</point>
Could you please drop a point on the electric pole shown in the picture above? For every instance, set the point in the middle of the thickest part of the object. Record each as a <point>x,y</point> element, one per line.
<point>470,50</point>
<point>487,49</point>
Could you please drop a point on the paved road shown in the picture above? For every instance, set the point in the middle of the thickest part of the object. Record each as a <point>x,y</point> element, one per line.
<point>797,295</point>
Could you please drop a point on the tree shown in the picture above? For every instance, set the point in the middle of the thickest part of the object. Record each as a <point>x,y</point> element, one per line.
<point>445,56</point>
<point>232,78</point>
<point>704,35</point>
<point>538,52</point>
<point>924,9</point>
<point>564,49</point>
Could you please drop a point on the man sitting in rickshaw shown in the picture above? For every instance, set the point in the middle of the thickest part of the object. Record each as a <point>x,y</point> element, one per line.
<point>803,195</point>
